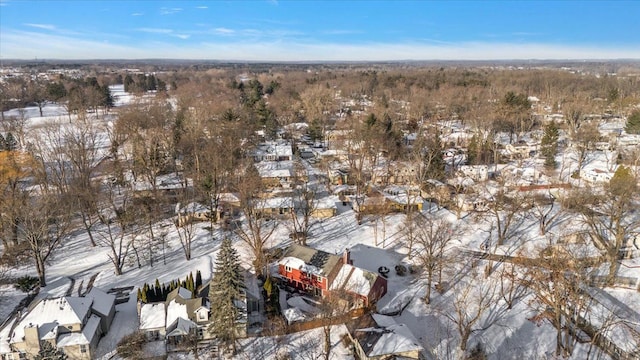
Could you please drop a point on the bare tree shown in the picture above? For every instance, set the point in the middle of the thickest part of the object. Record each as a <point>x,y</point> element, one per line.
<point>44,222</point>
<point>332,310</point>
<point>116,234</point>
<point>305,204</point>
<point>185,227</point>
<point>583,140</point>
<point>556,283</point>
<point>506,210</point>
<point>609,216</point>
<point>81,148</point>
<point>258,226</point>
<point>546,209</point>
<point>474,309</point>
<point>513,284</point>
<point>432,237</point>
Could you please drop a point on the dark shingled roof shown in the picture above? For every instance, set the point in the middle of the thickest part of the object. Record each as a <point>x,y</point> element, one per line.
<point>320,259</point>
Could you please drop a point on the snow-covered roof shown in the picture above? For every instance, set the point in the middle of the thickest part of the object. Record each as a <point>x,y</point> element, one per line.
<point>84,337</point>
<point>102,302</point>
<point>310,260</point>
<point>4,337</point>
<point>229,198</point>
<point>293,314</point>
<point>60,311</point>
<point>328,202</point>
<point>274,203</point>
<point>388,338</point>
<point>296,263</point>
<point>194,208</point>
<point>354,280</point>
<point>275,169</point>
<point>163,182</point>
<point>182,327</point>
<point>299,302</point>
<point>277,149</point>
<point>152,316</point>
<point>176,311</point>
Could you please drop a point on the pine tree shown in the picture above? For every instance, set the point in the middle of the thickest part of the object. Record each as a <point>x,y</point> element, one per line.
<point>157,290</point>
<point>633,123</point>
<point>433,159</point>
<point>472,150</point>
<point>49,352</point>
<point>549,145</point>
<point>189,284</point>
<point>198,279</point>
<point>226,286</point>
<point>145,293</point>
<point>3,144</point>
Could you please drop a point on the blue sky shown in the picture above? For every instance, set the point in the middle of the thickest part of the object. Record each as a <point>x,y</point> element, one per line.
<point>320,30</point>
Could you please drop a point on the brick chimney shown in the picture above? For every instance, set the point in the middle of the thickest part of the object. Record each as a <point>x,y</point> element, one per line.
<point>346,257</point>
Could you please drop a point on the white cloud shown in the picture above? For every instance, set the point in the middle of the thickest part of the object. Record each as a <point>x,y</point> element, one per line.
<point>137,14</point>
<point>26,45</point>
<point>202,7</point>
<point>155,30</point>
<point>169,11</point>
<point>41,26</point>
<point>182,36</point>
<point>341,32</point>
<point>225,31</point>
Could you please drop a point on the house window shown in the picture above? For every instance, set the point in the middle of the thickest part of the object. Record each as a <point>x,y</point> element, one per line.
<point>200,333</point>
<point>83,348</point>
<point>287,268</point>
<point>202,316</point>
<point>318,278</point>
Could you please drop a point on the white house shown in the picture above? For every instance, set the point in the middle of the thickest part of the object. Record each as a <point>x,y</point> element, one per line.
<point>475,172</point>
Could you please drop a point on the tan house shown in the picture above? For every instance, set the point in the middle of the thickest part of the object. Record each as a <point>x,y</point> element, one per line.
<point>325,208</point>
<point>278,174</point>
<point>275,207</point>
<point>71,324</point>
<point>390,199</point>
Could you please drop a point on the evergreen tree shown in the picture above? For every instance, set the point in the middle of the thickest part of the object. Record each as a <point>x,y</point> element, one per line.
<point>549,145</point>
<point>433,159</point>
<point>49,352</point>
<point>198,279</point>
<point>10,142</point>
<point>56,90</point>
<point>128,83</point>
<point>145,293</point>
<point>107,99</point>
<point>472,150</point>
<point>633,123</point>
<point>151,84</point>
<point>226,286</point>
<point>3,143</point>
<point>162,86</point>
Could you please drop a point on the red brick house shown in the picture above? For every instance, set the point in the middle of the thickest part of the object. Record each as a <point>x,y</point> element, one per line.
<point>319,273</point>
